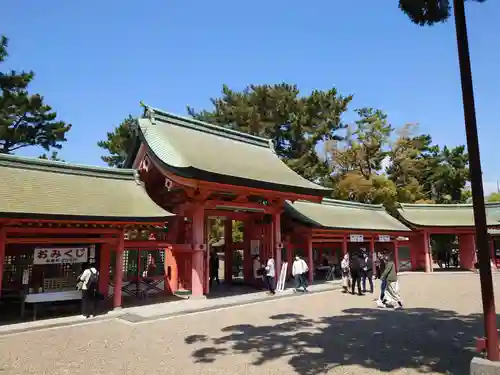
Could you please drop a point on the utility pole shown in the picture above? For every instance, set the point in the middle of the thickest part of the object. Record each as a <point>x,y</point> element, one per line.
<point>476,178</point>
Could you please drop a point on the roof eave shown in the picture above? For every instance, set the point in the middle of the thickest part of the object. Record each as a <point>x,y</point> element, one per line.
<point>85,218</point>
<point>198,174</point>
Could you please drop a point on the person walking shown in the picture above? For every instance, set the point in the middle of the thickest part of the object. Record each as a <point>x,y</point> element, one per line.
<point>214,267</point>
<point>270,275</point>
<point>355,269</point>
<point>391,295</point>
<point>258,272</point>
<point>299,272</point>
<point>383,283</point>
<point>344,269</point>
<point>88,282</point>
<point>367,271</point>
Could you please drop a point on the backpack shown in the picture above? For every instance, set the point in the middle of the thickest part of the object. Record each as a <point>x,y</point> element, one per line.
<point>93,279</point>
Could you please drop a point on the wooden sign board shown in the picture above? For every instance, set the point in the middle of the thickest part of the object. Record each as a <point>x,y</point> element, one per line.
<point>384,238</point>
<point>356,238</point>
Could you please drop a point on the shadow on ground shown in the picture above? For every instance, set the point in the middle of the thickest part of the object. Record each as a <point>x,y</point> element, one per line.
<point>427,340</point>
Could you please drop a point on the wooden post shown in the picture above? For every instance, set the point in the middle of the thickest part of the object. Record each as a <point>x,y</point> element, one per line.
<point>120,250</point>
<point>228,250</point>
<point>197,264</point>
<point>396,255</point>
<point>104,262</point>
<point>372,249</point>
<point>427,252</point>
<point>277,242</point>
<point>3,245</point>
<point>344,246</point>
<point>310,260</point>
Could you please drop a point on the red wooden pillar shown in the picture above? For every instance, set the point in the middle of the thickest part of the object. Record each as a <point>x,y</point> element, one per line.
<point>427,252</point>
<point>466,248</point>
<point>120,250</point>
<point>278,245</point>
<point>372,248</point>
<point>310,260</point>
<point>197,264</point>
<point>248,235</point>
<point>3,236</point>
<point>104,263</point>
<point>344,246</point>
<point>228,250</point>
<point>493,255</point>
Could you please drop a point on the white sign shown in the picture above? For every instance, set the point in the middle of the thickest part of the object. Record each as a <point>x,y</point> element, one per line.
<point>356,238</point>
<point>255,247</point>
<point>384,238</point>
<point>60,255</point>
<point>280,287</point>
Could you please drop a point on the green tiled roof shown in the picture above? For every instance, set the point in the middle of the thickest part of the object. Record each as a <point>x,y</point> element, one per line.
<point>446,215</point>
<point>335,214</point>
<point>196,149</point>
<point>41,188</point>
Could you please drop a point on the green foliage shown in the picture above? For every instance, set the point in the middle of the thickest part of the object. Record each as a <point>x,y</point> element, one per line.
<point>216,226</point>
<point>53,156</point>
<point>118,143</point>
<point>356,162</point>
<point>428,12</point>
<point>25,120</point>
<point>296,124</point>
<point>493,197</point>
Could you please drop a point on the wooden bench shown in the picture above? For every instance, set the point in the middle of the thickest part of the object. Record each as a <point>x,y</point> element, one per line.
<point>38,298</point>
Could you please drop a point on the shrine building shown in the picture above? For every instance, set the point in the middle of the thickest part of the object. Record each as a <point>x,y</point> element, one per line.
<point>56,216</point>
<point>199,171</point>
<point>426,220</point>
<point>324,232</point>
<point>148,227</point>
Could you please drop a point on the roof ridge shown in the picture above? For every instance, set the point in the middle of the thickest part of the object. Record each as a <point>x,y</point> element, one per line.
<point>155,113</point>
<point>22,162</point>
<point>349,204</point>
<point>435,205</point>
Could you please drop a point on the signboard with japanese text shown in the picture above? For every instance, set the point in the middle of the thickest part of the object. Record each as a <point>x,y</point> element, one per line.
<point>60,255</point>
<point>384,238</point>
<point>356,238</point>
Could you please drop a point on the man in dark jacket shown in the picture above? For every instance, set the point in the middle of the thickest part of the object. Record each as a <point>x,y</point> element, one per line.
<point>368,271</point>
<point>356,267</point>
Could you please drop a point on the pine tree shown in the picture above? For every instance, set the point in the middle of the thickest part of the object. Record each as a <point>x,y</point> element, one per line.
<point>25,120</point>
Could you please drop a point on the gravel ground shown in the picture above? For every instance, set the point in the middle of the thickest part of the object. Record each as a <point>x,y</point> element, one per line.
<point>327,333</point>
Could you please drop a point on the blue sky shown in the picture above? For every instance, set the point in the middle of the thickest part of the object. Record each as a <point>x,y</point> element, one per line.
<point>96,60</point>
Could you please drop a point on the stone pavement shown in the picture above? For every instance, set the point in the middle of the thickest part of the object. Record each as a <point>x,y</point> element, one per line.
<point>163,310</point>
<point>319,333</point>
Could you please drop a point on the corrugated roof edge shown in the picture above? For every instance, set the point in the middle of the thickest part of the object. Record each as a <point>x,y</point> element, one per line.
<point>351,204</point>
<point>339,203</point>
<point>21,162</point>
<point>410,206</point>
<point>154,114</point>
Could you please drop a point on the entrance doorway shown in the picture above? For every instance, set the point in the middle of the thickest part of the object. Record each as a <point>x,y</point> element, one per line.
<point>226,251</point>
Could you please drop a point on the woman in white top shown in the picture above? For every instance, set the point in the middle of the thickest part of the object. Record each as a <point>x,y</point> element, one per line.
<point>270,275</point>
<point>89,285</point>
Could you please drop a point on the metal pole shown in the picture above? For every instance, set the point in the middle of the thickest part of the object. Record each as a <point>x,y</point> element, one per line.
<point>476,178</point>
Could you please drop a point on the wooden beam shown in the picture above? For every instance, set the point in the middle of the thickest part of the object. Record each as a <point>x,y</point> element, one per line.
<point>62,230</point>
<point>45,240</point>
<point>216,204</point>
<point>234,189</point>
<point>82,222</point>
